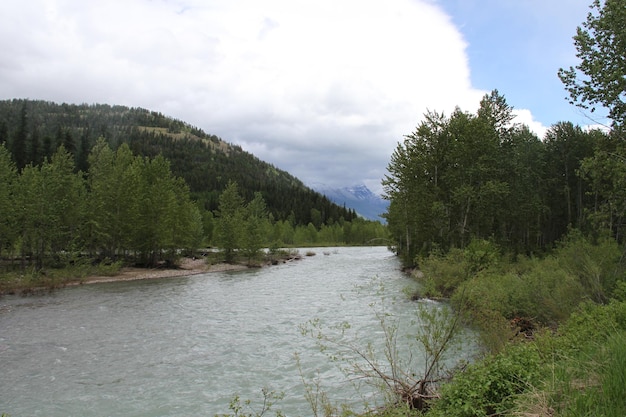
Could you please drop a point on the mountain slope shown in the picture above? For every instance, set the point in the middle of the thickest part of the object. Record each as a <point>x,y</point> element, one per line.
<point>34,129</point>
<point>358,197</point>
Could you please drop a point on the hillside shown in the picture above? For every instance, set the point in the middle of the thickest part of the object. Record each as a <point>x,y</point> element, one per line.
<point>33,130</point>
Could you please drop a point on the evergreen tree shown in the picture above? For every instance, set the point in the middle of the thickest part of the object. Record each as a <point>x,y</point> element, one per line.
<point>4,133</point>
<point>35,155</point>
<point>68,142</point>
<point>82,157</point>
<point>46,147</point>
<point>18,146</point>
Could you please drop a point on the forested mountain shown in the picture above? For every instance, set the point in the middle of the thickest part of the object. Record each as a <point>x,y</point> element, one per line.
<point>33,130</point>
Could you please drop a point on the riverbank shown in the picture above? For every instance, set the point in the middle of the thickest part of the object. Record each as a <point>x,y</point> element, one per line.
<point>46,281</point>
<point>188,266</point>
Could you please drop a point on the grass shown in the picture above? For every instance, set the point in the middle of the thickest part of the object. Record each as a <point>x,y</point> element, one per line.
<point>591,382</point>
<point>32,279</point>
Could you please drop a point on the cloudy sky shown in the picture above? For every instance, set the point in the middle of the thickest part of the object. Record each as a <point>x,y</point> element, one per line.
<point>323,89</point>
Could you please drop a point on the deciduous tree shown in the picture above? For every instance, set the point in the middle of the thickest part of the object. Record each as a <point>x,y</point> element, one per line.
<point>230,221</point>
<point>600,77</point>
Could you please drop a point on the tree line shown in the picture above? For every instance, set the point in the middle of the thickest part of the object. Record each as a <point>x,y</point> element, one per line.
<point>243,227</point>
<point>479,176</point>
<point>132,208</point>
<point>124,206</point>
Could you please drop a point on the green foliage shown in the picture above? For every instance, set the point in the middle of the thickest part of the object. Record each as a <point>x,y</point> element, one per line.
<point>492,291</point>
<point>595,266</point>
<point>52,200</point>
<point>481,254</point>
<point>8,212</point>
<point>443,273</point>
<point>244,409</point>
<point>478,177</point>
<point>606,171</point>
<point>204,161</point>
<point>490,387</point>
<point>578,371</point>
<point>599,78</point>
<point>126,204</point>
<point>137,204</point>
<point>256,227</point>
<point>585,365</point>
<point>591,324</point>
<point>230,222</point>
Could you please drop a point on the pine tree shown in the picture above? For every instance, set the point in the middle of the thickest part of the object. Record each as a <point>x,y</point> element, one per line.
<point>18,147</point>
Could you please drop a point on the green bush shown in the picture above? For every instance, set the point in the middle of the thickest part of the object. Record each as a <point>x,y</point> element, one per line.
<point>490,387</point>
<point>442,274</point>
<point>551,292</point>
<point>591,324</point>
<point>544,292</point>
<point>595,265</point>
<point>481,254</point>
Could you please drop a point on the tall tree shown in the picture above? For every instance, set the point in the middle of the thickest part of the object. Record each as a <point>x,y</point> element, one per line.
<point>35,151</point>
<point>230,220</point>
<point>18,146</point>
<point>4,133</point>
<point>566,147</point>
<point>600,80</point>
<point>82,156</point>
<point>113,199</point>
<point>465,177</point>
<point>417,215</point>
<point>256,227</point>
<point>525,206</point>
<point>154,231</point>
<point>606,171</point>
<point>8,178</point>
<point>51,200</point>
<point>600,77</point>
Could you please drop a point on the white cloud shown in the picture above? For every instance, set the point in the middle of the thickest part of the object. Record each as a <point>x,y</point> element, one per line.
<point>524,116</point>
<point>322,89</point>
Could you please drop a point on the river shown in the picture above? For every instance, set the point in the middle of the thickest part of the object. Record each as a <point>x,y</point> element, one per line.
<point>185,346</point>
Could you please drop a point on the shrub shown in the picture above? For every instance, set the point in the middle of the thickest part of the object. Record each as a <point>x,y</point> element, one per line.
<point>596,266</point>
<point>587,364</point>
<point>545,293</point>
<point>442,274</point>
<point>490,387</point>
<point>481,254</point>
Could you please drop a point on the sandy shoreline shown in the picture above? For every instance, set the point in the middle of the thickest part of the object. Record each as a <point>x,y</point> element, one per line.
<point>187,267</point>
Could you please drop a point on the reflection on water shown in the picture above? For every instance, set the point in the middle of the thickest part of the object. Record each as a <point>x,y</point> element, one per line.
<point>185,346</point>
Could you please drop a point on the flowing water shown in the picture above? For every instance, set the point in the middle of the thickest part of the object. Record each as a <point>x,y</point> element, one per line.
<point>185,346</point>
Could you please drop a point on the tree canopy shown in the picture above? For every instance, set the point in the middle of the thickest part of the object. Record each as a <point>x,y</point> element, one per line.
<point>478,176</point>
<point>600,77</point>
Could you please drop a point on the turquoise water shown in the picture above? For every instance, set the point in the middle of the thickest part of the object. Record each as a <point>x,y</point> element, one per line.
<point>185,346</point>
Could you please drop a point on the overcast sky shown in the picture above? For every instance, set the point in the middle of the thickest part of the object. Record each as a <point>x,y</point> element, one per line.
<point>324,89</point>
